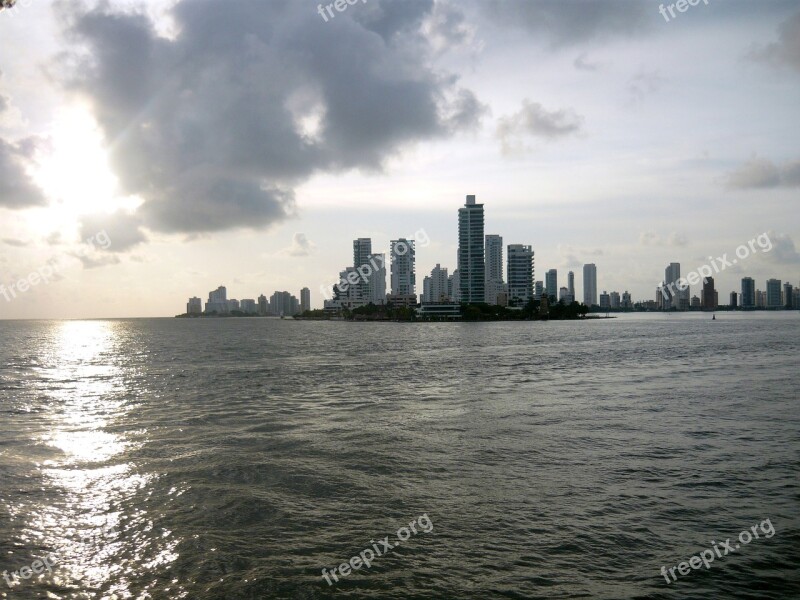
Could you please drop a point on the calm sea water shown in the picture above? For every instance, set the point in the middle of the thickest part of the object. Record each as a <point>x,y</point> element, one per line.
<point>237,458</point>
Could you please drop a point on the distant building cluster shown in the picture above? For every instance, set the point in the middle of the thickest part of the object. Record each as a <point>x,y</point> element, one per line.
<point>279,304</point>
<point>670,296</point>
<point>479,278</point>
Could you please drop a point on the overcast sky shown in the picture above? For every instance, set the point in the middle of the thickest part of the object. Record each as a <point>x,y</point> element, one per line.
<point>248,142</point>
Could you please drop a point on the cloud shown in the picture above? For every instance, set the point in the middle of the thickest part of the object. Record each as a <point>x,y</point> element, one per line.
<point>674,239</point>
<point>533,120</point>
<point>301,246</point>
<point>570,23</point>
<point>582,64</point>
<point>447,28</point>
<point>17,190</point>
<point>15,243</point>
<point>761,173</point>
<point>121,230</point>
<point>216,126</point>
<point>786,51</point>
<point>783,251</point>
<point>94,262</point>
<point>643,84</point>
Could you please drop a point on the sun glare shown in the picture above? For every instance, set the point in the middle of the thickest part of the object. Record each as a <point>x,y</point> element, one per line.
<point>74,172</point>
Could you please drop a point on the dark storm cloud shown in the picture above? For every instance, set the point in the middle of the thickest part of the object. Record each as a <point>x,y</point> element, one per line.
<point>569,22</point>
<point>216,127</point>
<point>760,173</point>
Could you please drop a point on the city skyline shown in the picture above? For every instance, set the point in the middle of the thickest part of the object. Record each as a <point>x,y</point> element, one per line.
<point>364,282</point>
<point>619,148</point>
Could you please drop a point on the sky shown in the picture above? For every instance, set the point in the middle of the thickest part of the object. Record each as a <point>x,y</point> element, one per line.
<point>153,150</point>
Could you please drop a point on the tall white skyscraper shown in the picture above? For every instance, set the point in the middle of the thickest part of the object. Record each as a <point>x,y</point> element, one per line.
<point>305,299</point>
<point>362,250</point>
<point>494,267</point>
<point>571,284</point>
<point>454,286</point>
<point>471,265</point>
<point>520,274</point>
<point>439,285</point>
<point>403,275</point>
<point>589,284</point>
<point>377,280</point>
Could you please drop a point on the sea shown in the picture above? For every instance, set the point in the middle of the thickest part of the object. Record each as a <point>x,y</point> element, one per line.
<point>252,458</point>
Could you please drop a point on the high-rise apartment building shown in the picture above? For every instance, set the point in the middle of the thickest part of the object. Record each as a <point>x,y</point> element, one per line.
<point>590,284</point>
<point>439,285</point>
<point>377,278</point>
<point>194,306</point>
<point>787,295</point>
<point>571,284</point>
<point>734,302</point>
<point>605,301</point>
<point>538,290</point>
<point>626,299</point>
<point>748,293</point>
<point>774,293</point>
<point>615,300</point>
<point>305,299</point>
<point>404,279</point>
<point>218,301</point>
<point>471,265</point>
<point>674,297</point>
<point>494,267</point>
<point>362,252</point>
<point>551,283</point>
<point>520,274</point>
<point>454,286</point>
<point>708,295</point>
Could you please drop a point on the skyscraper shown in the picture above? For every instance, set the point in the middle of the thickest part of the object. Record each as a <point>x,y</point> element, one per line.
<point>404,278</point>
<point>471,266</point>
<point>708,295</point>
<point>773,293</point>
<point>674,297</point>
<point>454,286</point>
<point>362,250</point>
<point>748,293</point>
<point>194,306</point>
<point>787,295</point>
<point>520,274</point>
<point>551,283</point>
<point>538,290</point>
<point>494,267</point>
<point>377,280</point>
<point>589,284</point>
<point>305,299</point>
<point>571,284</point>
<point>439,279</point>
